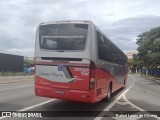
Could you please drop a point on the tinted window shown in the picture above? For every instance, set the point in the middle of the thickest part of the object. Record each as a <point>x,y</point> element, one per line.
<point>63,36</point>
<point>108,51</point>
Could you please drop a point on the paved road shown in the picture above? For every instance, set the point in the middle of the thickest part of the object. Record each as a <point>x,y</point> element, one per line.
<point>140,94</point>
<point>17,96</point>
<point>16,79</point>
<point>145,93</point>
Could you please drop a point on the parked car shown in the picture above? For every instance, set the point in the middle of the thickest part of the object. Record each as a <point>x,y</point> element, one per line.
<point>28,69</point>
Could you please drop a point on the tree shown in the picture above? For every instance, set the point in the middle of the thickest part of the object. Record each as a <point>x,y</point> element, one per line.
<point>149,46</point>
<point>136,63</point>
<point>29,63</point>
<point>149,49</point>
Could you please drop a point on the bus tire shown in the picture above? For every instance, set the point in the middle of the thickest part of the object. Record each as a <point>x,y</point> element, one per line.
<point>124,84</point>
<point>109,92</point>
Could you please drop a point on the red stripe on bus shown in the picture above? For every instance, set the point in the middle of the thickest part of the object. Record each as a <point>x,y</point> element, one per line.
<point>79,64</point>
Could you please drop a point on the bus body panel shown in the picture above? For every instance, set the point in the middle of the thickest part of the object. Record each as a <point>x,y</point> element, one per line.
<point>114,73</point>
<point>74,95</point>
<point>71,54</point>
<point>59,76</point>
<point>68,75</point>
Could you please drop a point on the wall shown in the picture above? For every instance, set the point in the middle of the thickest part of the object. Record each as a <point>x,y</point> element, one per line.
<point>12,63</point>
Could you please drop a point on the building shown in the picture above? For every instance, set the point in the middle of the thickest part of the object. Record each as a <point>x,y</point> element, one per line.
<point>11,63</point>
<point>130,53</point>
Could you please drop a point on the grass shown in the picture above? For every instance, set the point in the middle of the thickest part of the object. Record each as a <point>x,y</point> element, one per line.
<point>15,73</point>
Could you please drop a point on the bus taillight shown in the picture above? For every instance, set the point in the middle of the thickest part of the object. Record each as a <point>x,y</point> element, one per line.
<point>92,75</point>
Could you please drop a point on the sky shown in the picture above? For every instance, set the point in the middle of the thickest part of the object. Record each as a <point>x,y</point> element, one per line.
<point>121,20</point>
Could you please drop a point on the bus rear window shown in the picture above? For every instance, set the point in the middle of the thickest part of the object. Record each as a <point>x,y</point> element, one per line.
<point>63,36</point>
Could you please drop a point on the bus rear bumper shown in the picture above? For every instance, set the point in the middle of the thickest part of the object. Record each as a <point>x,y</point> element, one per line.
<point>73,95</point>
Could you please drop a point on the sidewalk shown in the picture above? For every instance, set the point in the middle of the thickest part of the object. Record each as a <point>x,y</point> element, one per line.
<point>152,78</point>
<point>149,77</point>
<point>16,79</point>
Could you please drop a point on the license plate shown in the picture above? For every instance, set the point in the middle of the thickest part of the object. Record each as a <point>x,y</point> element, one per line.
<point>60,91</point>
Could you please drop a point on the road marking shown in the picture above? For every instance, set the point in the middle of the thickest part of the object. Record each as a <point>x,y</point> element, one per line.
<point>31,107</point>
<point>118,98</point>
<point>124,96</point>
<point>99,117</point>
<point>140,109</point>
<point>37,105</point>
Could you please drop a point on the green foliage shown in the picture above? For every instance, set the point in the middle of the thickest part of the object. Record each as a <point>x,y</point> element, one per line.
<point>136,63</point>
<point>29,63</point>
<point>149,49</point>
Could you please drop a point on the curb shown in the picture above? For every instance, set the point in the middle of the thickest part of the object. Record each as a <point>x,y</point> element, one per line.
<point>150,78</point>
<point>154,79</point>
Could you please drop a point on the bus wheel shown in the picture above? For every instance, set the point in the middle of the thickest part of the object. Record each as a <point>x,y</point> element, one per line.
<point>108,98</point>
<point>124,85</point>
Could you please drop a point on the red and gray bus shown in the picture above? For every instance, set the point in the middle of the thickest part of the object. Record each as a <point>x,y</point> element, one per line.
<point>75,61</point>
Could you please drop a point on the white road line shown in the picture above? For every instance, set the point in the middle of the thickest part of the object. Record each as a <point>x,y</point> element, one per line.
<point>124,96</point>
<point>111,105</point>
<point>114,102</point>
<point>117,99</point>
<point>140,109</point>
<point>31,107</point>
<point>37,105</point>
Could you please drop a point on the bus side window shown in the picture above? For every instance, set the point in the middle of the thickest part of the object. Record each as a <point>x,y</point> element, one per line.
<point>101,47</point>
<point>107,50</point>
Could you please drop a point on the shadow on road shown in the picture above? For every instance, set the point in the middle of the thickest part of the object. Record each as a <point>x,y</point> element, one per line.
<point>63,105</point>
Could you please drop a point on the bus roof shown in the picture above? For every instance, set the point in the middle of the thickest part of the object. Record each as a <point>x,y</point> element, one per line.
<point>68,21</point>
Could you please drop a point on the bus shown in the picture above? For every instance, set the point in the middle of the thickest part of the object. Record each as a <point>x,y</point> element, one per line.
<point>75,61</point>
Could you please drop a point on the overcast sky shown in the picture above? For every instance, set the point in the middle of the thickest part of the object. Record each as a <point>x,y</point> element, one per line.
<point>120,20</point>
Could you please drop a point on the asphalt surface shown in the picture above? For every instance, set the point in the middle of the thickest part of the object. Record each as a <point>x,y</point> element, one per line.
<point>145,93</point>
<point>17,96</point>
<point>138,95</point>
<point>16,79</point>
